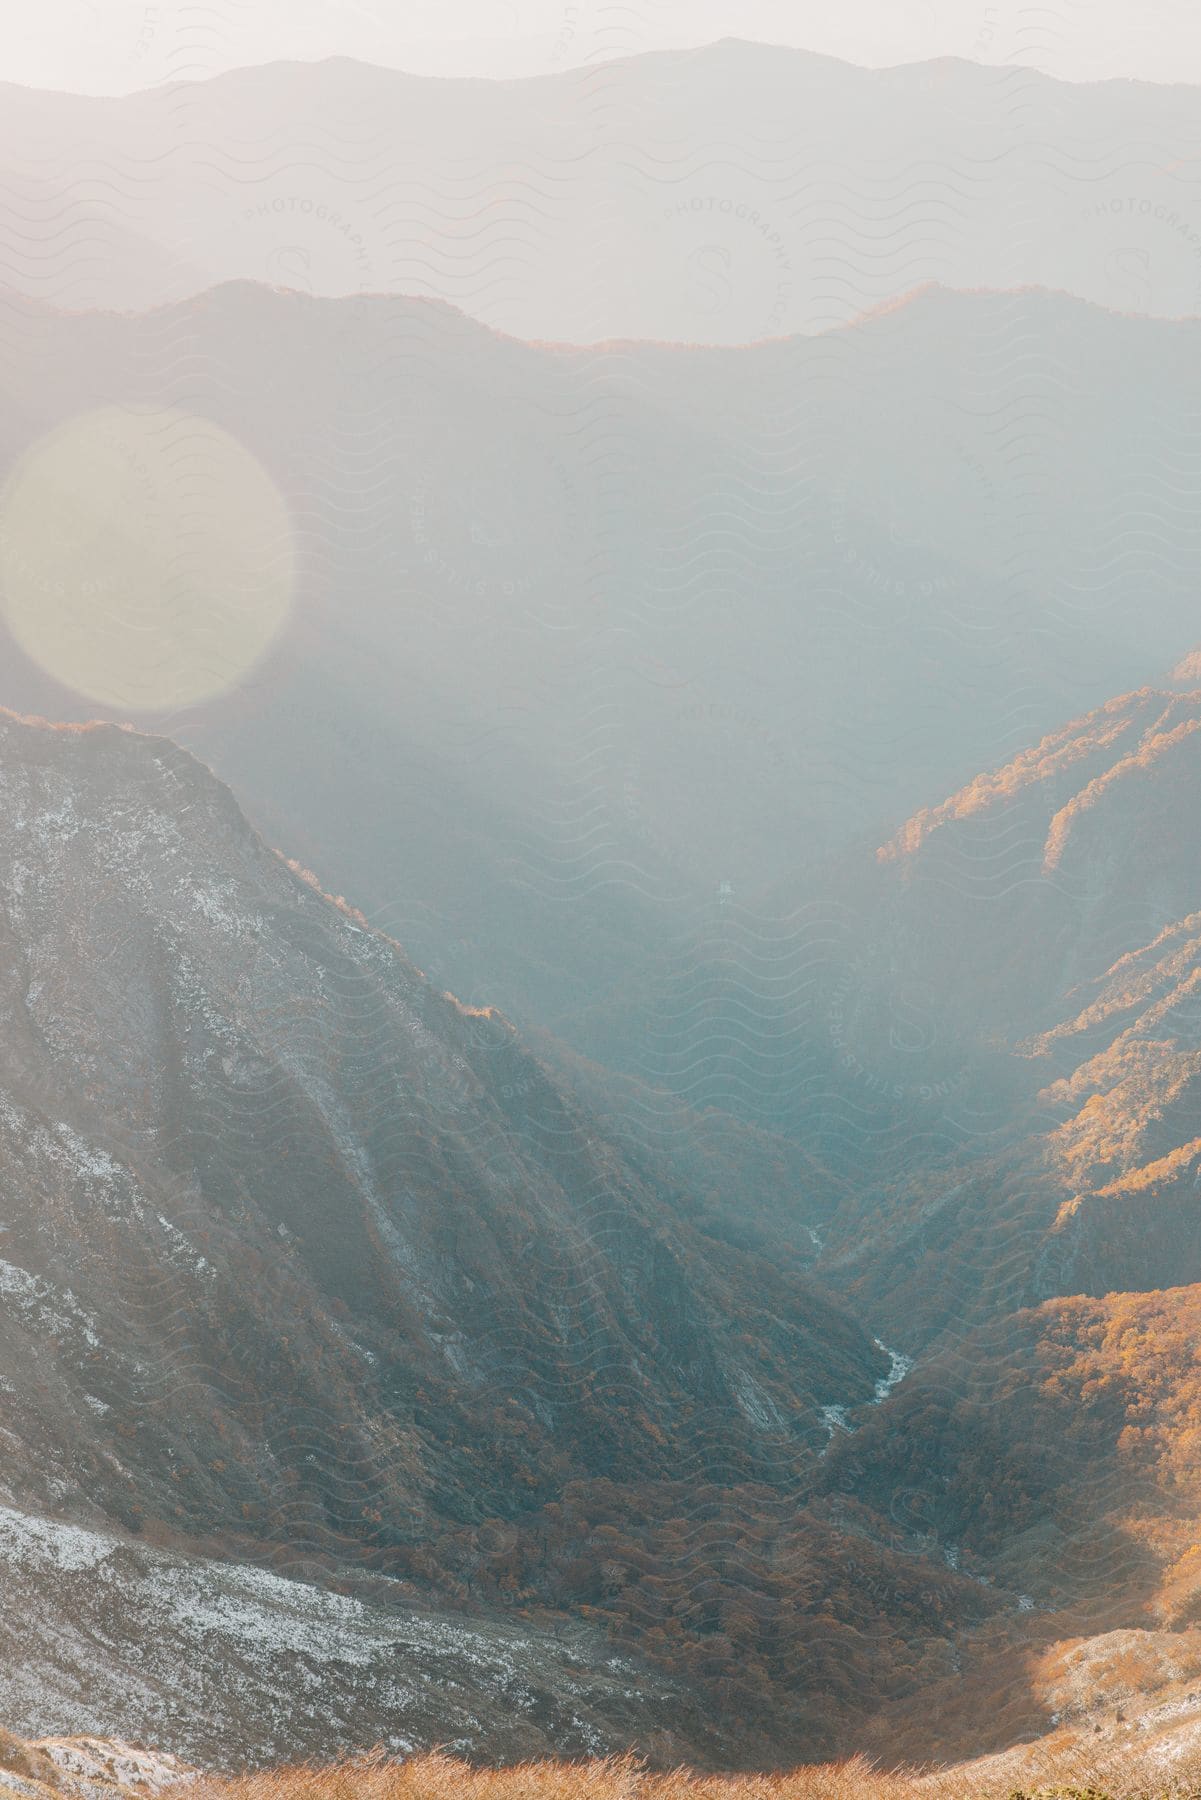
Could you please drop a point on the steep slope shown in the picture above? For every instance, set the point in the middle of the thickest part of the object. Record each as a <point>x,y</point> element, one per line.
<point>1044,1276</point>
<point>92,1768</point>
<point>1054,1451</point>
<point>230,1665</point>
<point>306,1263</point>
<point>1047,914</point>
<point>1041,875</point>
<point>285,1091</point>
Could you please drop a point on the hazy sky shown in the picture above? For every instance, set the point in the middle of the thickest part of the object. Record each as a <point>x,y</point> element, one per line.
<point>110,46</point>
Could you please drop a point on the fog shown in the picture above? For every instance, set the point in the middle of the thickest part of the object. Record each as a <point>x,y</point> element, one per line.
<point>114,46</point>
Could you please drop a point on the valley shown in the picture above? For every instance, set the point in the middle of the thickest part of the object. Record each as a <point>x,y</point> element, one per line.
<point>600,931</point>
<point>160,1115</point>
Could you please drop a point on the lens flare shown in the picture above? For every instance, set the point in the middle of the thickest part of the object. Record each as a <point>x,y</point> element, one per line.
<point>146,557</point>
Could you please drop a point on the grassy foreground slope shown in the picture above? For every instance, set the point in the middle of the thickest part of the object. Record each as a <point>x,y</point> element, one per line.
<point>1126,1726</point>
<point>435,1777</point>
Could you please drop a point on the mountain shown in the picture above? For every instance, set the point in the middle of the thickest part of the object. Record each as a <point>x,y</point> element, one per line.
<point>615,647</point>
<point>1063,860</point>
<point>1047,915</point>
<point>720,195</point>
<point>311,1271</point>
<point>1051,907</point>
<point>1044,1271</point>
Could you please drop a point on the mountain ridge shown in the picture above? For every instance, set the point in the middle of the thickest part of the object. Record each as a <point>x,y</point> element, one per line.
<point>923,295</point>
<point>724,44</point>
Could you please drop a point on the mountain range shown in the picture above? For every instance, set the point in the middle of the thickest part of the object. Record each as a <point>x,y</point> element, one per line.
<point>599,1063</point>
<point>616,647</point>
<point>720,195</point>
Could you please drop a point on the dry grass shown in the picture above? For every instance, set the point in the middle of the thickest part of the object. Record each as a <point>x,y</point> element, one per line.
<point>1114,1774</point>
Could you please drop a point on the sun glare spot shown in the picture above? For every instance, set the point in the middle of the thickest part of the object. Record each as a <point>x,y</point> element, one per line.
<point>146,557</point>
